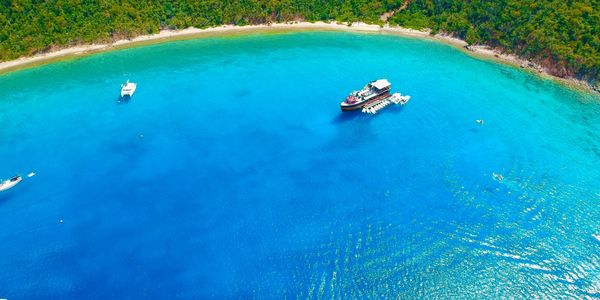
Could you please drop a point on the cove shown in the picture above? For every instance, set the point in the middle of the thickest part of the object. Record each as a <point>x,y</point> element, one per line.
<point>232,173</point>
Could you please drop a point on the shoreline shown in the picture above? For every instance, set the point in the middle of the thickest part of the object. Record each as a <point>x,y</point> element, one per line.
<point>478,51</point>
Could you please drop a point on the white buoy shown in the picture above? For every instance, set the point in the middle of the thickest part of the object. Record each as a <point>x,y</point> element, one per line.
<point>61,221</point>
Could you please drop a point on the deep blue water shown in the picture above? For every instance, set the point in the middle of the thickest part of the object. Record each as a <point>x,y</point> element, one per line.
<point>233,174</point>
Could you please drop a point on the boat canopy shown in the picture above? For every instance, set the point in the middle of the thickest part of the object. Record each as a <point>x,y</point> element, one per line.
<point>381,84</point>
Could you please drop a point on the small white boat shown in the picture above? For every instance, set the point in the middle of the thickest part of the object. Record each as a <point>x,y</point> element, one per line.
<point>480,122</point>
<point>404,99</point>
<point>128,89</point>
<point>7,184</point>
<point>398,98</point>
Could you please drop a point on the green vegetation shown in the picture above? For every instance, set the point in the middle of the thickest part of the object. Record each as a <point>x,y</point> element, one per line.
<point>31,26</point>
<point>563,35</point>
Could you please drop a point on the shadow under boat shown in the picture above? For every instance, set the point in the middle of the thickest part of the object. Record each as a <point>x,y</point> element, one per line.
<point>346,117</point>
<point>123,100</point>
<point>5,197</point>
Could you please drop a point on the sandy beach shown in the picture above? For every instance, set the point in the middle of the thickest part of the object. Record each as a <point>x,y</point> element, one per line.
<point>167,35</point>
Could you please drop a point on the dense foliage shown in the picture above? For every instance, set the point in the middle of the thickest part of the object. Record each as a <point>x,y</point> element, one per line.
<point>561,34</point>
<point>30,26</point>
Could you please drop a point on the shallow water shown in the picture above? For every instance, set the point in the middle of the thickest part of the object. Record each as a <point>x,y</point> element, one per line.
<point>232,173</point>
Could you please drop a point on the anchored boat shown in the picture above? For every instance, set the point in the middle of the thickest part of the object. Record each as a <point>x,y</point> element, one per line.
<point>373,97</point>
<point>7,184</point>
<point>128,89</point>
<point>373,91</point>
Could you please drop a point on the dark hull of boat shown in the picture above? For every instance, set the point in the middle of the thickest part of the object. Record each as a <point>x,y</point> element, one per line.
<point>358,105</point>
<point>353,107</point>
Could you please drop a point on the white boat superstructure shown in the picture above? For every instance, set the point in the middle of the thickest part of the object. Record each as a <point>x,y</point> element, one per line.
<point>7,184</point>
<point>373,88</point>
<point>128,89</point>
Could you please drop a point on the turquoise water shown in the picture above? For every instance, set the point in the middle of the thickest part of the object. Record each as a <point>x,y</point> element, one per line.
<point>233,174</point>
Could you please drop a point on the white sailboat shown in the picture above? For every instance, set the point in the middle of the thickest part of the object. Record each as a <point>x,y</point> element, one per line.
<point>128,89</point>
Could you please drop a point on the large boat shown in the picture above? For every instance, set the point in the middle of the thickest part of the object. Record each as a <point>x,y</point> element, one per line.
<point>7,184</point>
<point>373,91</point>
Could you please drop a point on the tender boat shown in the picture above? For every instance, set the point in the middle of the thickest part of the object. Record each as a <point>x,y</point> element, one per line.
<point>404,99</point>
<point>398,98</point>
<point>128,89</point>
<point>373,91</point>
<point>7,184</point>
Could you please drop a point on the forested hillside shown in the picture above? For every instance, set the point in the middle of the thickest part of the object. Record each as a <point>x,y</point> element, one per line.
<point>562,35</point>
<point>29,26</point>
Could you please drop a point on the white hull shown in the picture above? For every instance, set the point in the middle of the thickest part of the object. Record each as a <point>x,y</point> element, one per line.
<point>397,98</point>
<point>7,184</point>
<point>128,89</point>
